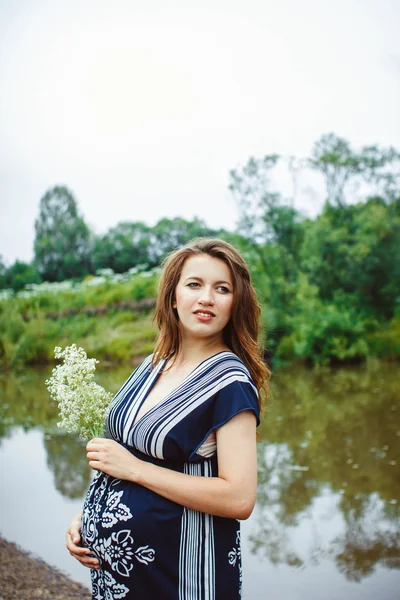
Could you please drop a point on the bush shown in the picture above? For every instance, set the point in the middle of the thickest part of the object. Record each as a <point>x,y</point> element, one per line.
<point>385,342</point>
<point>322,332</point>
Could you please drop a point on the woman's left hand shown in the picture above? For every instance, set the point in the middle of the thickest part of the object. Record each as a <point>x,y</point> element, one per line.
<point>112,458</point>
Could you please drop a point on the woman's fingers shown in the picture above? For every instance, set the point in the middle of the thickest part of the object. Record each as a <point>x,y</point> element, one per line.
<point>75,530</point>
<point>74,549</point>
<point>92,455</point>
<point>95,443</point>
<point>81,554</point>
<point>73,540</point>
<point>89,561</point>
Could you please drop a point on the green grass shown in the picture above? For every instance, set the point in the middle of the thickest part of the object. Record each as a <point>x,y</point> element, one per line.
<point>30,328</point>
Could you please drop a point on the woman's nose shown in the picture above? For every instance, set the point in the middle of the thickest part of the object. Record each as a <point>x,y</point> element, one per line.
<point>206,296</point>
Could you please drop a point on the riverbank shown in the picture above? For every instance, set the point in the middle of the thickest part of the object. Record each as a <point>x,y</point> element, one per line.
<point>24,577</point>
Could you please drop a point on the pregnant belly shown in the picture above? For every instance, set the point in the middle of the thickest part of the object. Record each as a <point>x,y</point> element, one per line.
<point>122,523</point>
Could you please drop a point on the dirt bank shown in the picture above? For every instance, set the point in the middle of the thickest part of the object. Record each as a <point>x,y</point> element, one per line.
<point>23,577</point>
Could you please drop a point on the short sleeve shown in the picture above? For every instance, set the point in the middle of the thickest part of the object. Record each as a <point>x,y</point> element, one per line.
<point>233,399</point>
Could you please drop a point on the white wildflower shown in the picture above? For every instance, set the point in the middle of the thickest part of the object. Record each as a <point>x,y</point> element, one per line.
<point>83,403</point>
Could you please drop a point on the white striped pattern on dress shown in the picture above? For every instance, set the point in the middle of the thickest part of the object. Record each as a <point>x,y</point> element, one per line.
<point>208,447</point>
<point>148,434</point>
<point>208,378</point>
<point>197,552</point>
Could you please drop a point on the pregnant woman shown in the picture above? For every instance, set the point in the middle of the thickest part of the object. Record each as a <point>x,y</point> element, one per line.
<point>177,469</point>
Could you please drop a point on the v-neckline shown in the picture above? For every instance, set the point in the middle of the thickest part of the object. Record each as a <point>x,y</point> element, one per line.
<point>157,372</point>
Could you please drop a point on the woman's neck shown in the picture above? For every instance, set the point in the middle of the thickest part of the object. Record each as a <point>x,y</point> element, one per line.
<point>195,351</point>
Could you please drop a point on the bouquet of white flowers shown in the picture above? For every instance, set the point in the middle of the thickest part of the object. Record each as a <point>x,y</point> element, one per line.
<point>83,403</point>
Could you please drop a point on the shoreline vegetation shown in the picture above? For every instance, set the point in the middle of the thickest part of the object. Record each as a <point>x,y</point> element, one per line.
<point>112,319</point>
<point>329,286</point>
<point>26,577</point>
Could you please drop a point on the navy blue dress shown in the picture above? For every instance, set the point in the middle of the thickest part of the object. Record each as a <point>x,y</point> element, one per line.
<point>148,546</point>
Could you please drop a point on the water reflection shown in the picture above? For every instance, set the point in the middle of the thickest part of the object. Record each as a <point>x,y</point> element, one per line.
<point>366,543</point>
<point>24,402</point>
<point>335,432</point>
<point>328,463</point>
<point>66,459</point>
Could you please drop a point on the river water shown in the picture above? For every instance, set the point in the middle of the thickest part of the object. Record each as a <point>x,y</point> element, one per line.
<point>327,518</point>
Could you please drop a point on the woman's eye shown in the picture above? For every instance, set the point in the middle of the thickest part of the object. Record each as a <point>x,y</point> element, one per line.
<point>193,284</point>
<point>223,289</point>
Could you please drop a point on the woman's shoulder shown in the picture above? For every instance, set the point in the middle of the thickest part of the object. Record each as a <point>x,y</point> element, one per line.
<point>234,387</point>
<point>229,358</point>
<point>229,366</point>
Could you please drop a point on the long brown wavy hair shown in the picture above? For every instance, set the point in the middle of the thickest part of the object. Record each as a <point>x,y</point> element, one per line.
<point>241,334</point>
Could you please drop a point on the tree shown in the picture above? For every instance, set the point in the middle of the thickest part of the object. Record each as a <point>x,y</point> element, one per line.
<point>63,241</point>
<point>169,234</point>
<point>274,231</point>
<point>3,274</point>
<point>351,253</point>
<point>340,165</point>
<point>272,228</point>
<point>264,218</point>
<point>20,274</point>
<point>124,246</point>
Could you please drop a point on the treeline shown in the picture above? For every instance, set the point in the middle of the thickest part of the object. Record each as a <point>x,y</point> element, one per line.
<point>66,248</point>
<point>329,287</point>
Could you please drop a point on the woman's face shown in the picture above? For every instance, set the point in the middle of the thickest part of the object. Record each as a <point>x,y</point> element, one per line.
<point>203,297</point>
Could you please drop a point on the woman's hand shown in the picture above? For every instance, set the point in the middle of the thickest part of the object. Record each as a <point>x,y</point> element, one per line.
<point>73,544</point>
<point>112,458</point>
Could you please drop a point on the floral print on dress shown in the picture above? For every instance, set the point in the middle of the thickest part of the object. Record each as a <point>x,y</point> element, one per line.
<point>235,558</point>
<point>105,587</point>
<point>116,552</point>
<point>116,511</point>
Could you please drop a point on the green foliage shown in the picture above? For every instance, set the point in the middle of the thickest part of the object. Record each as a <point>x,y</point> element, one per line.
<point>124,342</point>
<point>100,319</point>
<point>21,274</point>
<point>12,324</point>
<point>135,244</point>
<point>385,341</point>
<point>63,240</point>
<point>321,331</point>
<point>326,285</point>
<point>264,218</point>
<point>329,288</point>
<point>120,318</point>
<point>356,249</point>
<point>144,288</point>
<point>169,234</point>
<point>124,246</point>
<point>340,165</point>
<point>3,274</point>
<point>34,346</point>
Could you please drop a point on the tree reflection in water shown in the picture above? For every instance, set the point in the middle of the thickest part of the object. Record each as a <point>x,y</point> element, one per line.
<point>333,433</point>
<point>66,459</point>
<point>26,403</point>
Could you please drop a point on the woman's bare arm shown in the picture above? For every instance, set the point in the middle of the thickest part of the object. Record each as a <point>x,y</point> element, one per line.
<point>232,494</point>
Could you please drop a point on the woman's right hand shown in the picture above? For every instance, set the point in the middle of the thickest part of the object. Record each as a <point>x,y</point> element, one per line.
<point>74,546</point>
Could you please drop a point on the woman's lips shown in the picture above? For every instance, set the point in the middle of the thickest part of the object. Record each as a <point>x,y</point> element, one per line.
<point>204,315</point>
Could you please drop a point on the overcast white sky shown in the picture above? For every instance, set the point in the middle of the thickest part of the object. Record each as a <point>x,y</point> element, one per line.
<point>142,107</point>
